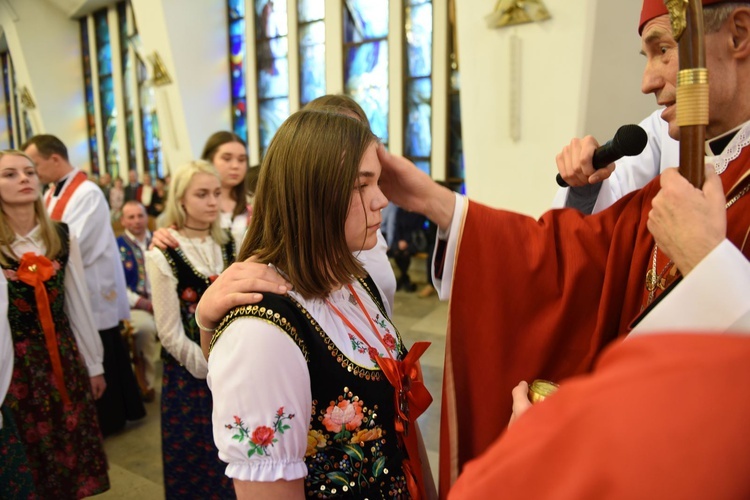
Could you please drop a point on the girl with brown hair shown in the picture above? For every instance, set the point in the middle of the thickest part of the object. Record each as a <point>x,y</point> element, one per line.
<point>314,391</point>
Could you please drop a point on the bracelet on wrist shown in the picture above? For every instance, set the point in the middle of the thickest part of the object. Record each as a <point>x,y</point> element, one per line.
<point>198,323</point>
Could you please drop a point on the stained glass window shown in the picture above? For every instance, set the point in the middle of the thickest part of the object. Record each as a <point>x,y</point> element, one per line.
<point>152,152</point>
<point>456,172</point>
<point>418,112</point>
<point>89,95</point>
<point>28,130</point>
<point>7,93</point>
<point>128,85</point>
<point>107,94</point>
<point>17,109</point>
<point>366,60</point>
<point>237,58</point>
<point>312,49</point>
<point>273,67</point>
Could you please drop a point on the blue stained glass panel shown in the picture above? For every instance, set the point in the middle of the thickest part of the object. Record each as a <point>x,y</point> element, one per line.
<point>6,92</point>
<point>148,132</point>
<point>312,61</point>
<point>272,114</point>
<point>365,20</point>
<point>313,33</point>
<point>236,9</point>
<point>312,72</point>
<point>239,118</point>
<point>89,93</point>
<point>104,50</point>
<point>419,118</point>
<point>310,10</point>
<point>270,18</point>
<point>419,40</point>
<point>237,58</point>
<point>455,144</point>
<point>366,80</point>
<point>108,96</point>
<point>273,69</point>
<point>105,60</point>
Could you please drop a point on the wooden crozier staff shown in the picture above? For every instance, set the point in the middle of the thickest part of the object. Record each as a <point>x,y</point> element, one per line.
<point>686,18</point>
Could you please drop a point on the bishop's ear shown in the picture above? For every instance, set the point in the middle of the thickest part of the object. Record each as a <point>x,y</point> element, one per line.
<point>740,29</point>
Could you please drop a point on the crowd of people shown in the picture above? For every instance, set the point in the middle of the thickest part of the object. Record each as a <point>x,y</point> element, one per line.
<point>151,193</point>
<point>284,375</point>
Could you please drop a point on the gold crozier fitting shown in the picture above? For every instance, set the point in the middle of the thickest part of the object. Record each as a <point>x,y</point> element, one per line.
<point>677,11</point>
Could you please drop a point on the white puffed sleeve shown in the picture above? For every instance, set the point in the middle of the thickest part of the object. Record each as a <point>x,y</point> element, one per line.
<point>260,385</point>
<point>78,309</point>
<point>167,317</point>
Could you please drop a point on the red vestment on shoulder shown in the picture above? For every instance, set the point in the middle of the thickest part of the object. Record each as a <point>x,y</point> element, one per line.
<point>658,418</point>
<point>541,299</point>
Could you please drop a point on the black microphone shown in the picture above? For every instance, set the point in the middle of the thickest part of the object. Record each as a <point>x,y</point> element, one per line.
<point>629,140</point>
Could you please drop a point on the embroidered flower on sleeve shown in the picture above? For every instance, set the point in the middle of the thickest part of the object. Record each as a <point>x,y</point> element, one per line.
<point>263,436</point>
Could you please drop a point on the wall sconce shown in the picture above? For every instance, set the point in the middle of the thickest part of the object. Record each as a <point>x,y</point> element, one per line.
<point>511,12</point>
<point>161,76</point>
<point>26,100</point>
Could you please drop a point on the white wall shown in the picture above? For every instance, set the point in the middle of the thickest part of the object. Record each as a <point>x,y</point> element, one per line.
<point>46,51</point>
<point>193,43</point>
<point>561,96</point>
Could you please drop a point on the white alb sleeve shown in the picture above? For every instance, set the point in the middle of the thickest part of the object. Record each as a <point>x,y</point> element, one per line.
<point>78,309</point>
<point>451,237</point>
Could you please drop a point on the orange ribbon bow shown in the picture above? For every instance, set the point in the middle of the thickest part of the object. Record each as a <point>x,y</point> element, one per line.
<point>412,399</point>
<point>34,270</point>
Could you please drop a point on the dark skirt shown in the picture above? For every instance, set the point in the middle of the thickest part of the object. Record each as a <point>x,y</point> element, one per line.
<point>192,468</point>
<point>63,443</point>
<point>16,481</point>
<point>121,400</point>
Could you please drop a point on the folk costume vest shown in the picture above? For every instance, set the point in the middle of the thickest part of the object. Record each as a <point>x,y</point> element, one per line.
<point>361,462</point>
<point>134,264</point>
<point>191,284</point>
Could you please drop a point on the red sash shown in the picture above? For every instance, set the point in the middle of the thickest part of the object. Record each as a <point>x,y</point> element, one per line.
<point>62,202</point>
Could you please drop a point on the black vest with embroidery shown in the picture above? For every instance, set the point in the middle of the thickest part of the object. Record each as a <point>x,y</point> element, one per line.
<point>23,314</point>
<point>353,449</point>
<point>190,286</point>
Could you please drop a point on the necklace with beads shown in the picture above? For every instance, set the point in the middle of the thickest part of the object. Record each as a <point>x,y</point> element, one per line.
<point>207,260</point>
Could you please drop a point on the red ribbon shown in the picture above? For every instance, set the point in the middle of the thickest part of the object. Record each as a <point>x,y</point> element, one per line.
<point>34,270</point>
<point>411,400</point>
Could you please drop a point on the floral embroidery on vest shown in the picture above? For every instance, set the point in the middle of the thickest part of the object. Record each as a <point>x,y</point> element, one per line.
<point>350,455</point>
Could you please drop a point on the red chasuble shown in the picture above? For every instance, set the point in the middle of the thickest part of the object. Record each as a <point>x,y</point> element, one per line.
<point>540,299</point>
<point>662,416</point>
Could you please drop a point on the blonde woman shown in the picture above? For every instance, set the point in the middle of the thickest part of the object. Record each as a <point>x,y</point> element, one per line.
<point>58,355</point>
<point>178,278</point>
<point>228,153</point>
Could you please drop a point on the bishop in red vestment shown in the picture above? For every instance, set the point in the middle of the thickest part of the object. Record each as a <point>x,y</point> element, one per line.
<point>542,298</point>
